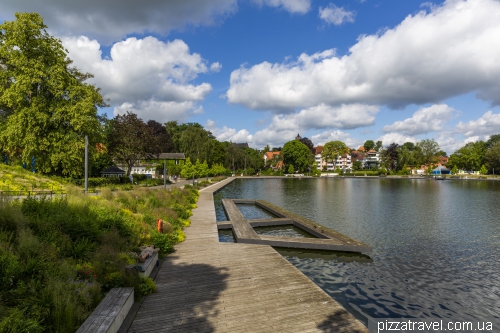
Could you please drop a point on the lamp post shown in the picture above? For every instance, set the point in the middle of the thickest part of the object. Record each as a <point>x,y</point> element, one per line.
<point>164,174</point>
<point>86,164</point>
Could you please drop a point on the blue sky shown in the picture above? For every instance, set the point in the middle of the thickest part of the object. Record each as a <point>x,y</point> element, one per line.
<point>262,71</point>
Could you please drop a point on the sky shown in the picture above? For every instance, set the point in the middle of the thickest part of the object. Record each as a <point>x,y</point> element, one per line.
<point>263,71</point>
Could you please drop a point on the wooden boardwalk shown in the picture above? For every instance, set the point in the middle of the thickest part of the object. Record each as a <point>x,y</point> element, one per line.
<point>328,239</point>
<point>208,286</point>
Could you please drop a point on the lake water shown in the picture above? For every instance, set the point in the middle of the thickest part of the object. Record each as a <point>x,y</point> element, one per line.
<point>436,244</point>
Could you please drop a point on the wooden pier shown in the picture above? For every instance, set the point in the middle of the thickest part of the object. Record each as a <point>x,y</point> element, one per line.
<point>208,286</point>
<point>327,239</point>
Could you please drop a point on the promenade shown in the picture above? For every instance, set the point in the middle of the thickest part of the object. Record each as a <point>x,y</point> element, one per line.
<point>208,286</point>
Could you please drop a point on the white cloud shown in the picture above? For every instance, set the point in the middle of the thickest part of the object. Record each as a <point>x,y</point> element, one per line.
<point>430,56</point>
<point>398,138</point>
<point>448,142</point>
<point>149,76</point>
<point>324,116</point>
<point>159,111</point>
<point>423,121</point>
<point>481,128</point>
<point>215,67</point>
<point>322,138</point>
<point>335,15</point>
<point>228,134</point>
<point>292,6</point>
<point>112,20</point>
<point>284,128</point>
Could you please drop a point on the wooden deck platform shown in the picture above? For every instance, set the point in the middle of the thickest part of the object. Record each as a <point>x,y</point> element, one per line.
<point>208,286</point>
<point>327,239</point>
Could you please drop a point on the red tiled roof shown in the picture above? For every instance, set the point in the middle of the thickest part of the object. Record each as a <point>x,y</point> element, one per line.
<point>270,154</point>
<point>318,149</point>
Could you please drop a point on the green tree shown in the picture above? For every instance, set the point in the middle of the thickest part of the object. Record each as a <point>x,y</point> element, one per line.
<point>494,139</point>
<point>129,140</point>
<point>188,170</point>
<point>390,156</point>
<point>454,170</point>
<point>357,165</point>
<point>333,149</point>
<point>369,145</point>
<point>492,157</point>
<point>483,170</point>
<point>193,142</point>
<point>291,169</point>
<point>429,149</point>
<point>297,154</point>
<point>175,130</point>
<point>469,157</point>
<point>378,145</point>
<point>204,170</point>
<point>46,109</point>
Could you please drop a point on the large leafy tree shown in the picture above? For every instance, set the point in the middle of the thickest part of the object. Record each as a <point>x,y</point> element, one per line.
<point>161,140</point>
<point>194,143</point>
<point>309,144</point>
<point>130,140</point>
<point>492,157</point>
<point>333,149</point>
<point>429,151</point>
<point>390,156</point>
<point>46,109</point>
<point>369,145</point>
<point>297,154</point>
<point>469,157</point>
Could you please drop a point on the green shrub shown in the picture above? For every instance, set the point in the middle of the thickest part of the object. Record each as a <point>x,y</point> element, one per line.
<point>147,286</point>
<point>18,321</point>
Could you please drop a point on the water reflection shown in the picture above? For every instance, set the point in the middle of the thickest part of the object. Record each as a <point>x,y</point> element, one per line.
<point>251,211</point>
<point>436,243</point>
<point>283,231</point>
<point>226,236</point>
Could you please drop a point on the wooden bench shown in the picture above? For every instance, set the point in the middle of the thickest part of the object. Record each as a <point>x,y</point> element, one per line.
<point>110,313</point>
<point>147,266</point>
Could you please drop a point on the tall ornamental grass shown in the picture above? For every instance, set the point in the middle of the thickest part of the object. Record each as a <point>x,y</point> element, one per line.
<point>59,257</point>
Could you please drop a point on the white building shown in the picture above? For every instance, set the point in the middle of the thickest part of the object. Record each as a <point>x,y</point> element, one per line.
<point>371,160</point>
<point>343,162</point>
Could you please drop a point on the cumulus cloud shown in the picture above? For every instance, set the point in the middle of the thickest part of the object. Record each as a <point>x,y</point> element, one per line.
<point>112,20</point>
<point>284,128</point>
<point>335,15</point>
<point>446,51</point>
<point>148,76</point>
<point>292,6</point>
<point>398,138</point>
<point>423,121</point>
<point>448,142</point>
<point>322,138</point>
<point>159,110</point>
<point>228,134</point>
<point>481,128</point>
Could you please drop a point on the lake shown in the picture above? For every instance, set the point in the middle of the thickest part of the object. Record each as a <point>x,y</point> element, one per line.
<point>436,244</point>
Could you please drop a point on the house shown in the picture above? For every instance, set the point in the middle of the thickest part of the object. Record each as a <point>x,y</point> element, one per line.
<point>113,171</point>
<point>371,160</point>
<point>271,156</point>
<point>343,162</point>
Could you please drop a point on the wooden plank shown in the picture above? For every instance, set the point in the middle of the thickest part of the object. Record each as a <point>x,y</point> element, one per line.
<point>207,286</point>
<point>241,228</point>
